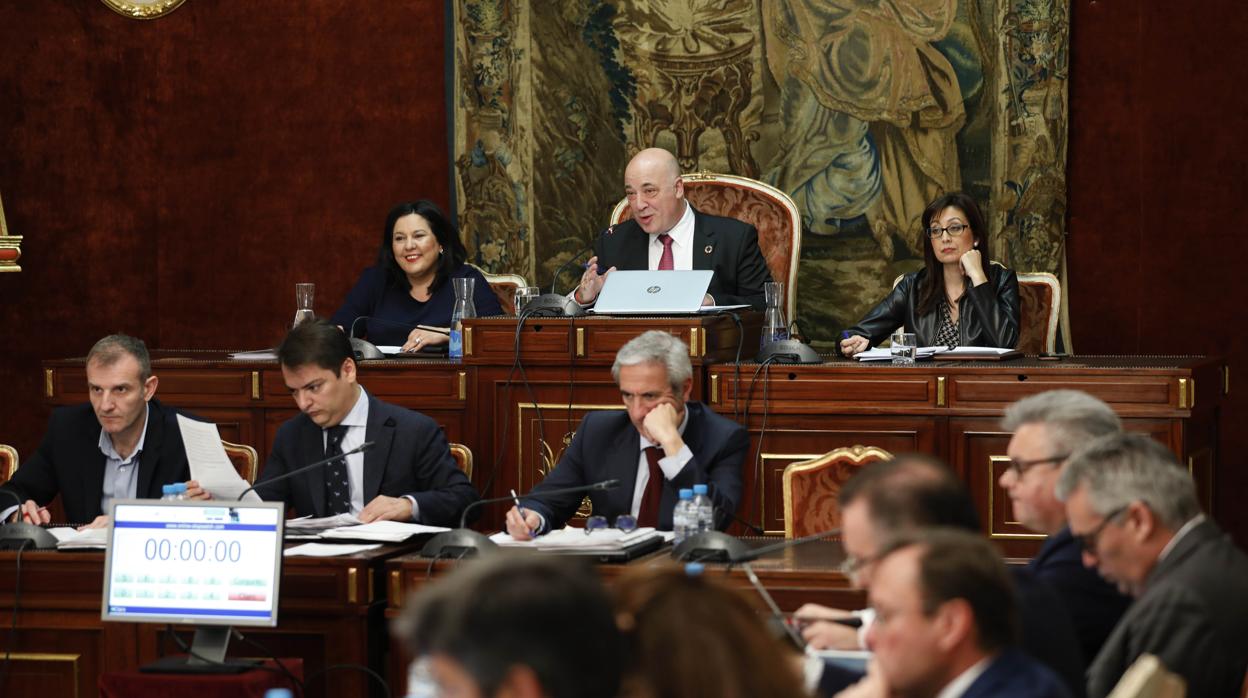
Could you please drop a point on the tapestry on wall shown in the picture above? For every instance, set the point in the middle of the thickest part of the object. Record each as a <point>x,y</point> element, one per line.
<point>861,112</point>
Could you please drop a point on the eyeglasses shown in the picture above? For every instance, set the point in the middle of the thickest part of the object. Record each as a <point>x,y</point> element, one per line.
<point>624,523</point>
<point>851,566</point>
<point>1088,540</point>
<point>1022,466</point>
<point>954,230</point>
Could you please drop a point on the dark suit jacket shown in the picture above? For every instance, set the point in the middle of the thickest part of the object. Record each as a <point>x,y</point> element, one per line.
<point>1094,604</point>
<point>411,457</point>
<point>607,445</point>
<point>734,256</point>
<point>69,461</point>
<point>1013,674</point>
<point>1193,615</point>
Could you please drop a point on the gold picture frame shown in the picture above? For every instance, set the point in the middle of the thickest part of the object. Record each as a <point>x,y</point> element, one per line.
<point>143,9</point>
<point>10,245</point>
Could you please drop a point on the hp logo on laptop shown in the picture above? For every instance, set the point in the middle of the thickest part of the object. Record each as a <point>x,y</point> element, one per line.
<point>654,289</point>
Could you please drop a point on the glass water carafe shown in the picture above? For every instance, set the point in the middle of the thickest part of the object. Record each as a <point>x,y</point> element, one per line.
<point>464,308</point>
<point>775,327</point>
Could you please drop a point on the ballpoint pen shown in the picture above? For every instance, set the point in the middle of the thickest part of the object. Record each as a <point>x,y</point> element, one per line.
<point>516,498</point>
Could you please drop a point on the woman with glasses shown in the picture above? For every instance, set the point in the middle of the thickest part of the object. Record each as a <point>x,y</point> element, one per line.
<point>958,298</point>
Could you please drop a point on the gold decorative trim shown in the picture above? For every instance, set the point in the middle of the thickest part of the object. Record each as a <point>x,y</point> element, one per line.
<point>1226,379</point>
<point>467,341</point>
<point>11,460</point>
<point>395,599</point>
<point>463,385</point>
<point>693,341</point>
<point>48,383</point>
<point>580,341</point>
<point>992,519</point>
<point>1183,393</point>
<point>143,9</point>
<point>73,660</point>
<point>762,482</point>
<point>702,343</point>
<point>255,385</point>
<point>10,245</point>
<point>856,454</point>
<point>940,391</point>
<point>522,406</point>
<point>714,388</point>
<point>372,581</point>
<point>353,580</point>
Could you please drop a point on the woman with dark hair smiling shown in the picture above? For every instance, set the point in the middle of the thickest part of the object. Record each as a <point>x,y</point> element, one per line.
<point>958,299</point>
<point>410,285</point>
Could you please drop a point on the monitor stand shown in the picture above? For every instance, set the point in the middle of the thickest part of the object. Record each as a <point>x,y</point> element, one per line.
<point>207,656</point>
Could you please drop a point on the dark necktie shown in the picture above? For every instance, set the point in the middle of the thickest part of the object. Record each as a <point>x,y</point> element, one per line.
<point>648,512</point>
<point>337,486</point>
<point>667,261</point>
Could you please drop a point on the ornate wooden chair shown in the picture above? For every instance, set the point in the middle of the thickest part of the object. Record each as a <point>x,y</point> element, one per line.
<point>759,204</point>
<point>811,488</point>
<point>504,287</point>
<point>8,465</point>
<point>1039,303</point>
<point>244,458</point>
<point>463,458</point>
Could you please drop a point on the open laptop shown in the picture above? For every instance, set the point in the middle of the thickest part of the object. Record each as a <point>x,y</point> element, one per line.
<point>654,292</point>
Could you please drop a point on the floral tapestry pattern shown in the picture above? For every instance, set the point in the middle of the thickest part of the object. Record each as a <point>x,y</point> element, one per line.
<point>861,111</point>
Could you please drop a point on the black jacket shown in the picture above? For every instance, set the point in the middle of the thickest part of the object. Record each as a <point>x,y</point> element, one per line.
<point>69,461</point>
<point>987,314</point>
<point>726,246</point>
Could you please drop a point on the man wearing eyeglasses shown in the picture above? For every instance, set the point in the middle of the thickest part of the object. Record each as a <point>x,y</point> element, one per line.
<point>658,445</point>
<point>1133,509</point>
<point>1047,428</point>
<point>666,232</point>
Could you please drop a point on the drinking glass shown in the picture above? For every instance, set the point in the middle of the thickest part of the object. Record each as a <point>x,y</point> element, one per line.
<point>903,347</point>
<point>524,295</point>
<point>303,303</point>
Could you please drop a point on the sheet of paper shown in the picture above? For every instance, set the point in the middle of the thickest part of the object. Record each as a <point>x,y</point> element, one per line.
<point>69,538</point>
<point>571,539</point>
<point>324,523</point>
<point>383,531</point>
<point>974,351</point>
<point>257,355</point>
<point>209,464</point>
<point>328,549</point>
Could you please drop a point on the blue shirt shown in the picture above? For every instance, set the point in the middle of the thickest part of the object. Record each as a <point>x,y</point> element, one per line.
<point>393,313</point>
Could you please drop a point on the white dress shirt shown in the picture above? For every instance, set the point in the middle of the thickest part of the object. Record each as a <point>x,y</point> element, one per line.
<point>958,686</point>
<point>682,243</point>
<point>356,423</point>
<point>670,465</point>
<point>121,474</point>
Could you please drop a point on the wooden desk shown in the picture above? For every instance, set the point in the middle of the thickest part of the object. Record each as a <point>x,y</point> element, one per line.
<point>798,575</point>
<point>331,613</point>
<point>952,410</point>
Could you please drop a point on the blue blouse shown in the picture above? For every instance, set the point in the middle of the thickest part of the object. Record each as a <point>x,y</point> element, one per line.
<point>392,312</point>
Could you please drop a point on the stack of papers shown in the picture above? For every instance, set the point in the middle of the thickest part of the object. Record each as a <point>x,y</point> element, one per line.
<point>576,540</point>
<point>257,355</point>
<point>348,527</point>
<point>886,354</point>
<point>86,539</point>
<point>328,550</point>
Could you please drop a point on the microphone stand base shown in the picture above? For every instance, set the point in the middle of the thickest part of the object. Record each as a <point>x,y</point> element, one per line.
<point>458,543</point>
<point>14,535</point>
<point>712,546</point>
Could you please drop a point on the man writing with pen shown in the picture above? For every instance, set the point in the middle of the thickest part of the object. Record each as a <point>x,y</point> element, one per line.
<point>123,444</point>
<point>659,444</point>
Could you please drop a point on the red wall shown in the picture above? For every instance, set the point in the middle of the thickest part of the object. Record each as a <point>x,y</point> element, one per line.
<point>175,178</point>
<point>1158,249</point>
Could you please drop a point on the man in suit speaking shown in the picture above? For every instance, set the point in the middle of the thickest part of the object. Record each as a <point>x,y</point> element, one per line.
<point>409,473</point>
<point>667,233</point>
<point>660,444</point>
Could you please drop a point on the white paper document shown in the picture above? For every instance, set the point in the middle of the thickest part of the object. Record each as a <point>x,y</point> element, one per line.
<point>257,355</point>
<point>382,531</point>
<point>324,523</point>
<point>886,354</point>
<point>70,538</point>
<point>973,351</point>
<point>328,549</point>
<point>570,540</point>
<point>209,464</point>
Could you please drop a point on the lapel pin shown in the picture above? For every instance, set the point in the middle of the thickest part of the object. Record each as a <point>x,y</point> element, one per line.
<point>708,249</point>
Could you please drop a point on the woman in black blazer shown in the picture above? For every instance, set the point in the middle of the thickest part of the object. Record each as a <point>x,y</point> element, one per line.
<point>956,299</point>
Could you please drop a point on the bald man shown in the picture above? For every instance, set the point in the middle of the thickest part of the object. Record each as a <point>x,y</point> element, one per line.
<point>666,232</point>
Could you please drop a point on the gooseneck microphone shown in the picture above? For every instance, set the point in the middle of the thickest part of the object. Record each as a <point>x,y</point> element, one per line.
<point>462,541</point>
<point>717,546</point>
<point>595,487</point>
<point>609,230</point>
<point>303,469</point>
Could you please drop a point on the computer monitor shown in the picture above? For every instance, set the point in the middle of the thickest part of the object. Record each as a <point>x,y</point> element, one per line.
<point>211,564</point>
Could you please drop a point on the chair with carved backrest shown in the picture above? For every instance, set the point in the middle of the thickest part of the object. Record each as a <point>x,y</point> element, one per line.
<point>811,488</point>
<point>504,287</point>
<point>8,465</point>
<point>463,458</point>
<point>1039,302</point>
<point>768,209</point>
<point>244,459</point>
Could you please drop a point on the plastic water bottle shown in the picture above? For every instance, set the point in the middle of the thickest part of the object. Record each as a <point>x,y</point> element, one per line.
<point>278,693</point>
<point>703,510</point>
<point>683,517</point>
<point>179,490</point>
<point>168,493</point>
